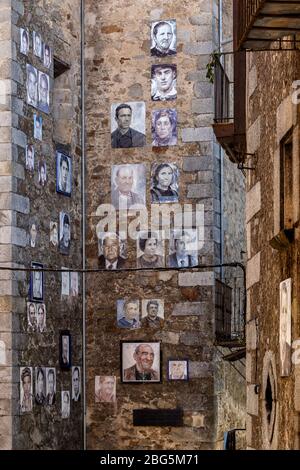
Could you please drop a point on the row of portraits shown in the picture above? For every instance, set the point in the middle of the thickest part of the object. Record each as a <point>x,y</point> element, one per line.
<point>40,49</point>
<point>128,126</point>
<point>63,170</point>
<point>69,285</point>
<point>128,184</point>
<point>183,250</point>
<point>38,89</point>
<point>59,235</point>
<point>45,390</point>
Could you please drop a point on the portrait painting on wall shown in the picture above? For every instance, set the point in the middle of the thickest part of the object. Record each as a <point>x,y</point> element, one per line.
<point>41,317</point>
<point>140,362</point>
<point>47,56</point>
<point>178,369</point>
<point>163,82</point>
<point>64,233</point>
<point>128,185</point>
<point>37,282</point>
<point>63,174</point>
<point>33,235</point>
<point>44,89</point>
<point>50,385</point>
<point>65,349</point>
<point>38,127</point>
<point>42,172</point>
<point>74,284</point>
<point>164,127</point>
<point>152,313</point>
<point>163,38</point>
<point>76,383</point>
<point>37,45</point>
<point>112,251</point>
<point>164,182</point>
<point>32,85</point>
<point>65,404</point>
<point>29,157</point>
<point>40,385</point>
<point>105,389</point>
<point>24,41</point>
<point>65,282</point>
<point>53,233</point>
<point>183,249</point>
<point>31,317</point>
<point>128,314</point>
<point>128,124</point>
<point>285,335</point>
<point>150,250</point>
<point>26,389</point>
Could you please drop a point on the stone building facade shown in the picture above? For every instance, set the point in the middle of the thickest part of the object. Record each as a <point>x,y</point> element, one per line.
<point>25,203</point>
<point>117,69</point>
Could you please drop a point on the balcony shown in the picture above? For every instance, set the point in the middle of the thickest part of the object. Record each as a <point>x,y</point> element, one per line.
<point>258,23</point>
<point>230,108</point>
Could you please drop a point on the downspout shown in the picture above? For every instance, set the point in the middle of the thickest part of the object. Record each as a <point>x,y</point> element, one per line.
<point>83,204</point>
<point>221,156</point>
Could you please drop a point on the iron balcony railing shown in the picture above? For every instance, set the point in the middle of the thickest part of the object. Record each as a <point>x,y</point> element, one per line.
<point>247,13</point>
<point>223,95</point>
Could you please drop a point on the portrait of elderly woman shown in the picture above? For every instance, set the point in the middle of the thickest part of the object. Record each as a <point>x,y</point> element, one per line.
<point>164,182</point>
<point>151,249</point>
<point>164,127</point>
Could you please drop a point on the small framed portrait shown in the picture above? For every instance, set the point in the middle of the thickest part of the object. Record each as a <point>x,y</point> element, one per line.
<point>50,385</point>
<point>128,185</point>
<point>32,85</point>
<point>53,233</point>
<point>163,38</point>
<point>105,389</point>
<point>76,383</point>
<point>37,45</point>
<point>164,182</point>
<point>112,251</point>
<point>33,232</point>
<point>38,127</point>
<point>42,172</point>
<point>41,317</point>
<point>31,317</point>
<point>163,82</point>
<point>285,335</point>
<point>44,89</point>
<point>183,249</point>
<point>40,385</point>
<point>26,389</point>
<point>140,362</point>
<point>65,349</point>
<point>128,125</point>
<point>164,127</point>
<point>152,313</point>
<point>128,314</point>
<point>63,174</point>
<point>29,157</point>
<point>65,282</point>
<point>24,41</point>
<point>47,56</point>
<point>150,250</point>
<point>178,369</point>
<point>74,284</point>
<point>64,233</point>
<point>37,283</point>
<point>65,404</point>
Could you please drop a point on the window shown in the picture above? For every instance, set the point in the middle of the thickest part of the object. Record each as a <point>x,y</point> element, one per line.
<point>286,182</point>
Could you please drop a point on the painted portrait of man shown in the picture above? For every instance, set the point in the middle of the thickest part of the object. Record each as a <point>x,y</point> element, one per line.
<point>63,174</point>
<point>32,85</point>
<point>128,185</point>
<point>44,89</point>
<point>163,82</point>
<point>140,362</point>
<point>128,125</point>
<point>163,38</point>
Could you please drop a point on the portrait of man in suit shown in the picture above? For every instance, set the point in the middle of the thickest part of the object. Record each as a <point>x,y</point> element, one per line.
<point>182,250</point>
<point>111,251</point>
<point>128,185</point>
<point>140,362</point>
<point>128,125</point>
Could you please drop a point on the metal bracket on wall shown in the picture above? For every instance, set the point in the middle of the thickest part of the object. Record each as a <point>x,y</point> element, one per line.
<point>242,166</point>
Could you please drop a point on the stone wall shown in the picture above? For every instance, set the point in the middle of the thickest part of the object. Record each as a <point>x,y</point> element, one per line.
<point>118,65</point>
<point>25,202</point>
<point>270,115</point>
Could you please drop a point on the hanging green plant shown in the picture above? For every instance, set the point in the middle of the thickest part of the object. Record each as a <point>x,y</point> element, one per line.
<point>210,67</point>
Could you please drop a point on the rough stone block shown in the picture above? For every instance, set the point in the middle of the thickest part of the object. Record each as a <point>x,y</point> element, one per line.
<point>251,335</point>
<point>196,279</point>
<point>5,134</point>
<point>199,20</point>
<point>202,106</point>
<point>192,134</point>
<point>203,90</point>
<point>191,308</point>
<point>200,191</point>
<point>194,164</point>
<point>168,337</point>
<point>19,138</point>
<point>253,271</point>
<point>253,201</point>
<point>191,338</point>
<point>5,49</point>
<point>200,370</point>
<point>252,401</point>
<point>198,48</point>
<point>252,81</point>
<point>253,136</point>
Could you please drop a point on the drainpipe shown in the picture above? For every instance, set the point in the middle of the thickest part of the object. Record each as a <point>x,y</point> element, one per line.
<point>83,211</point>
<point>221,156</point>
